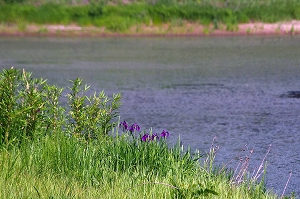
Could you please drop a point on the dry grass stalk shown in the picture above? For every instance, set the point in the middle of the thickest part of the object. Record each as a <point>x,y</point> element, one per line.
<point>241,170</point>
<point>290,175</point>
<point>260,169</point>
<point>212,153</point>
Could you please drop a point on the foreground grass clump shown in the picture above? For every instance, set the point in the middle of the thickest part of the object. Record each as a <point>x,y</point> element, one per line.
<point>121,166</point>
<point>61,156</point>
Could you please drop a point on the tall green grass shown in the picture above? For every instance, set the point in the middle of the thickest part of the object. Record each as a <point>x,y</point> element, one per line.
<point>119,17</point>
<point>77,150</point>
<point>112,167</point>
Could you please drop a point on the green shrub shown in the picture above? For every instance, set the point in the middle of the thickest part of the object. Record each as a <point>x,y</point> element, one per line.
<point>22,104</point>
<point>114,23</point>
<point>14,1</point>
<point>133,10</point>
<point>95,11</point>
<point>30,108</point>
<point>118,24</point>
<point>273,12</point>
<point>9,13</point>
<point>51,13</point>
<point>77,12</point>
<point>90,116</point>
<point>163,13</point>
<point>297,13</point>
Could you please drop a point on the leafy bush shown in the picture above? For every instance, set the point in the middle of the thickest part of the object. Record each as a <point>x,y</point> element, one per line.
<point>30,108</point>
<point>51,13</point>
<point>114,23</point>
<point>23,101</point>
<point>90,116</point>
<point>14,1</point>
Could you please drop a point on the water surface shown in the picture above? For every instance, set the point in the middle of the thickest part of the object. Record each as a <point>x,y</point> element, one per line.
<point>235,88</point>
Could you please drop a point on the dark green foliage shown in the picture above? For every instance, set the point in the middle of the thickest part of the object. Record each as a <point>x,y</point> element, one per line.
<point>163,13</point>
<point>50,13</point>
<point>94,11</point>
<point>14,1</point>
<point>194,191</point>
<point>134,10</point>
<point>12,12</point>
<point>277,11</point>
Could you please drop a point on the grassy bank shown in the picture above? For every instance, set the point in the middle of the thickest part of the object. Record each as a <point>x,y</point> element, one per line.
<point>60,167</point>
<point>119,16</point>
<point>81,150</point>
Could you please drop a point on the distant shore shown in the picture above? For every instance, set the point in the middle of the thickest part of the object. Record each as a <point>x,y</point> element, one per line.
<point>187,29</point>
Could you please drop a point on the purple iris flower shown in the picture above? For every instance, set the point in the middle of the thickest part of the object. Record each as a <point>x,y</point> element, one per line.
<point>145,137</point>
<point>154,136</point>
<point>134,127</point>
<point>165,134</point>
<point>125,125</point>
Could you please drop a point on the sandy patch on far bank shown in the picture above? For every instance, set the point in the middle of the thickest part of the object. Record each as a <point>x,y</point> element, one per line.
<point>185,29</point>
<point>292,27</point>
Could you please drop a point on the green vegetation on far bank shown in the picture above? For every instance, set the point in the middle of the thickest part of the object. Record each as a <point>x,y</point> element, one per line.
<point>119,16</point>
<point>78,149</point>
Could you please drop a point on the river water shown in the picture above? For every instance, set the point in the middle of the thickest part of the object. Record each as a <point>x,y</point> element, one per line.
<point>243,90</point>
